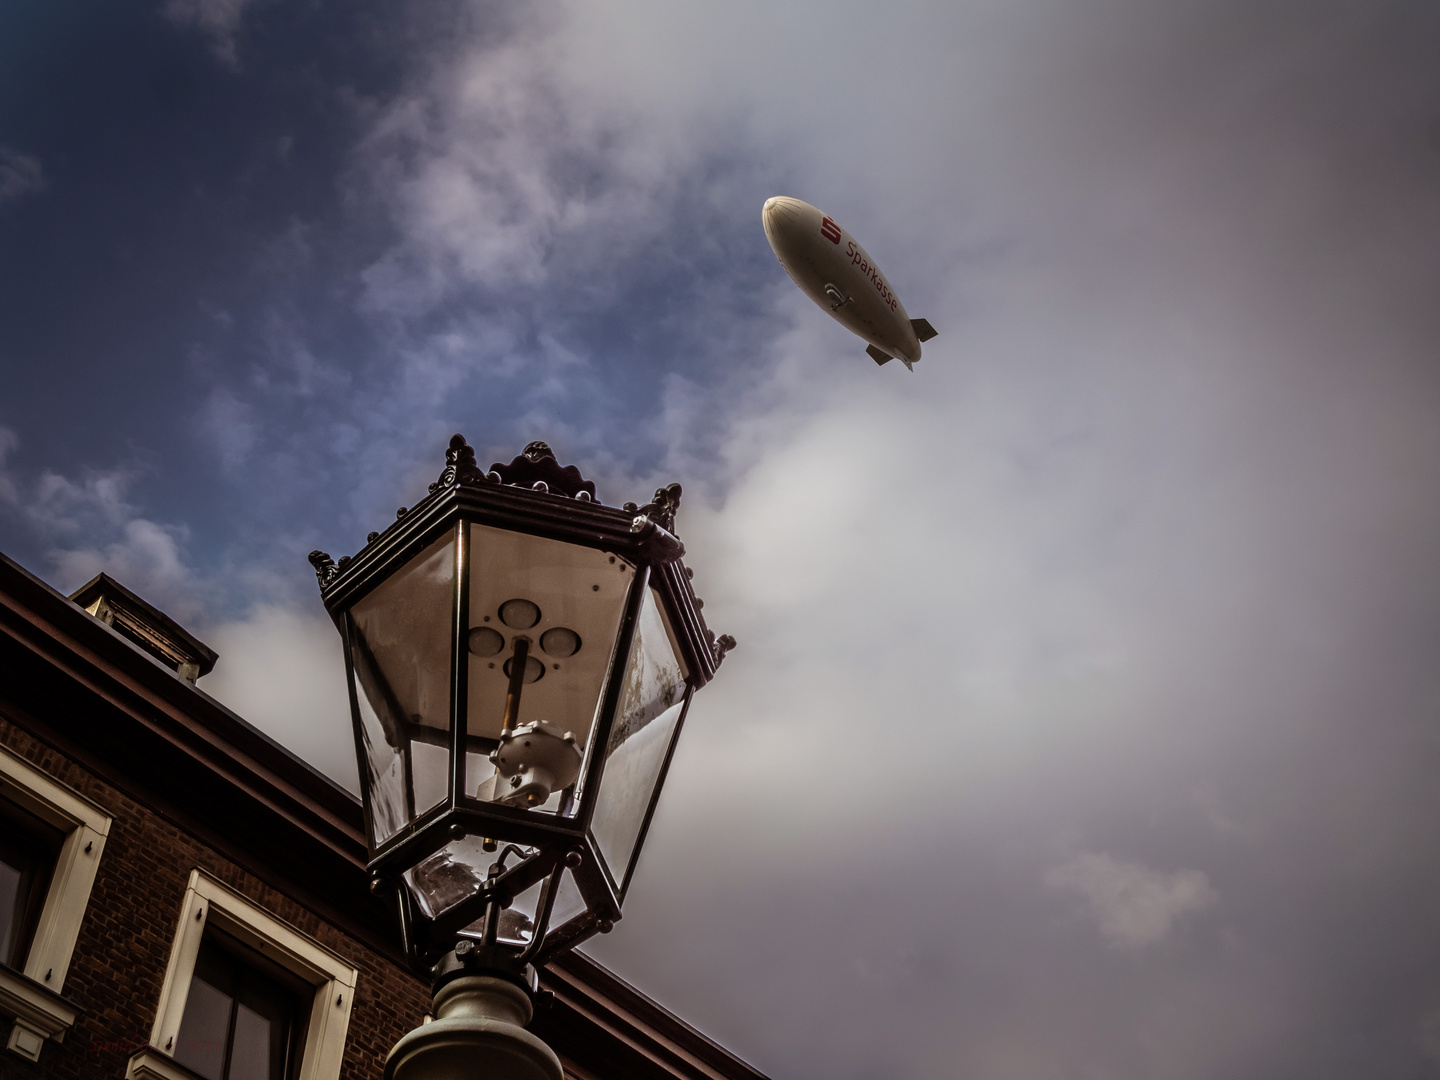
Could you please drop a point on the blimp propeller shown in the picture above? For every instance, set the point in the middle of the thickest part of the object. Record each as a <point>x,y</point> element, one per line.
<point>837,273</point>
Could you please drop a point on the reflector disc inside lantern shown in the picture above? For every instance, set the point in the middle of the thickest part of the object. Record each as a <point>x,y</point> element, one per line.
<point>560,642</point>
<point>519,614</point>
<point>559,596</point>
<point>486,642</point>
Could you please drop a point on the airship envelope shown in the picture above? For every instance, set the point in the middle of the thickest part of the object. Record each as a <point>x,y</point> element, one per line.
<point>837,273</point>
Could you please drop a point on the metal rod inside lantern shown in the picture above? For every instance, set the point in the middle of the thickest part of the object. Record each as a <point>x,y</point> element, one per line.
<point>517,683</point>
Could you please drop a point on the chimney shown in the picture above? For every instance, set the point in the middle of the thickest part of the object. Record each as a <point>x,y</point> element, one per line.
<point>147,626</point>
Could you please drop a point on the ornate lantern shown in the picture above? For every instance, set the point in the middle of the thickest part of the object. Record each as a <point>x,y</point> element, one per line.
<point>520,659</point>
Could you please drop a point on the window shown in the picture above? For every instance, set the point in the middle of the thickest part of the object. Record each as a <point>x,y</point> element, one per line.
<point>242,1019</point>
<point>51,839</point>
<point>246,997</point>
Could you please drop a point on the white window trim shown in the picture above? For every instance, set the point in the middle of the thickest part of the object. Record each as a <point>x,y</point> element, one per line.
<point>208,902</point>
<point>35,999</point>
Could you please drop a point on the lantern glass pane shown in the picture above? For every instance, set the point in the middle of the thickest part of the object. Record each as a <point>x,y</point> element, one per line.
<point>567,602</point>
<point>568,901</point>
<point>454,873</point>
<point>400,654</point>
<point>517,922</point>
<point>652,702</point>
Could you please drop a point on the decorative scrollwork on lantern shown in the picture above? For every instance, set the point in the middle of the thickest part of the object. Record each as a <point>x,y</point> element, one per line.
<point>719,646</point>
<point>325,569</point>
<point>460,466</point>
<point>661,509</point>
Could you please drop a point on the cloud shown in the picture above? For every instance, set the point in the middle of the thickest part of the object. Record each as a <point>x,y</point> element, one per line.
<point>96,500</point>
<point>218,20</point>
<point>9,491</point>
<point>1133,906</point>
<point>502,170</point>
<point>146,558</point>
<point>227,425</point>
<point>19,173</point>
<point>88,525</point>
<point>1427,1035</point>
<point>284,671</point>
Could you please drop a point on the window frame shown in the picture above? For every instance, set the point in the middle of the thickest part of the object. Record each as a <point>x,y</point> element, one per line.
<point>208,902</point>
<point>32,993</point>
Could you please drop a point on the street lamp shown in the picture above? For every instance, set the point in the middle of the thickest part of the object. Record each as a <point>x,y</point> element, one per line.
<point>520,660</point>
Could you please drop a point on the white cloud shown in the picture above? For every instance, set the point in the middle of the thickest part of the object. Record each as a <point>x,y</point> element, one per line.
<point>229,426</point>
<point>1133,905</point>
<point>19,173</point>
<point>146,558</point>
<point>88,525</point>
<point>218,20</point>
<point>501,164</point>
<point>63,505</point>
<point>285,673</point>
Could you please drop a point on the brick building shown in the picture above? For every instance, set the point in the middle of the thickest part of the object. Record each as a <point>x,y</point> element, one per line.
<point>182,897</point>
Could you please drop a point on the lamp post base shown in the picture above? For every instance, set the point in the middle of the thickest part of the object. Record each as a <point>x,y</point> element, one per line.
<point>478,1034</point>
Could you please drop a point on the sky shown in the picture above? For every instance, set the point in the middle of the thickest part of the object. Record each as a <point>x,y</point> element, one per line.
<point>1085,718</point>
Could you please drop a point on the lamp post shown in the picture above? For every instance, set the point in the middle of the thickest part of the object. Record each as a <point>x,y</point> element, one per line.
<point>520,660</point>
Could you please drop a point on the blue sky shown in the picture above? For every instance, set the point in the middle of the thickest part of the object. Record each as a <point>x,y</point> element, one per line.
<point>1084,716</point>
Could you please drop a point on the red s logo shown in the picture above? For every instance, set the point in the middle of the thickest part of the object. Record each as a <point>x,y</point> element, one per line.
<point>830,231</point>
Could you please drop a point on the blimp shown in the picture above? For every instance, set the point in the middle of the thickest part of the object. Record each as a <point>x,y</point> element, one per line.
<point>837,273</point>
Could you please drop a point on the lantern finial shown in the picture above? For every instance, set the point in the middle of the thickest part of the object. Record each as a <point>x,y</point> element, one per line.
<point>325,568</point>
<point>537,467</point>
<point>661,509</point>
<point>460,465</point>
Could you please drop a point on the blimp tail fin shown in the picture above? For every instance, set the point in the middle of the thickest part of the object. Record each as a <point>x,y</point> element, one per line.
<point>923,330</point>
<point>878,355</point>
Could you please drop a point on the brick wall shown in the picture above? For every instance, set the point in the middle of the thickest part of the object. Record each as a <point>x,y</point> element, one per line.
<point>124,943</point>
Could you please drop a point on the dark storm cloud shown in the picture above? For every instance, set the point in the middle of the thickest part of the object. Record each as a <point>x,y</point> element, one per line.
<point>1084,720</point>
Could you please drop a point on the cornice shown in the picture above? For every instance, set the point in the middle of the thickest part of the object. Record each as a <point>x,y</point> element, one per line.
<point>643,1039</point>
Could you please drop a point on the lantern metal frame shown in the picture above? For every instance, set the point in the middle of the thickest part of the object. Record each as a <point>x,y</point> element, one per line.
<point>532,495</point>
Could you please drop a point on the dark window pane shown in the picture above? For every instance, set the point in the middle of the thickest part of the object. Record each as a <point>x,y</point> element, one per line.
<point>264,1016</point>
<point>253,1050</point>
<point>241,1018</point>
<point>12,902</point>
<point>28,847</point>
<point>204,1028</point>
